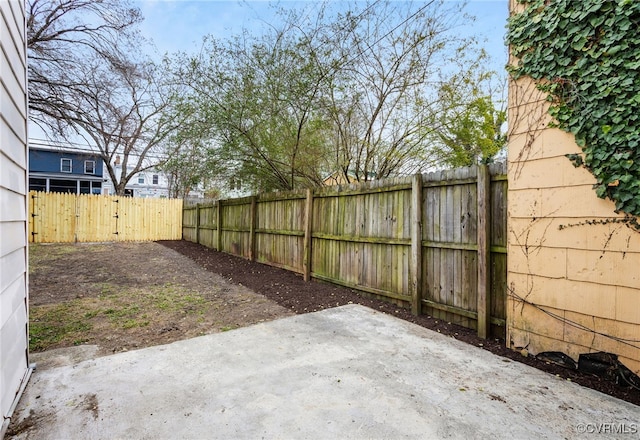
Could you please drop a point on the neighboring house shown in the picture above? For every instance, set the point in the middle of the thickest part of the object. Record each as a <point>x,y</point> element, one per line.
<point>65,170</point>
<point>233,188</point>
<point>14,338</point>
<point>148,183</point>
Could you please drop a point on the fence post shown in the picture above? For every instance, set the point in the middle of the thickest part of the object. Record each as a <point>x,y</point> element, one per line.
<point>198,223</point>
<point>219,221</point>
<point>308,229</point>
<point>484,255</point>
<point>416,245</point>
<point>252,230</point>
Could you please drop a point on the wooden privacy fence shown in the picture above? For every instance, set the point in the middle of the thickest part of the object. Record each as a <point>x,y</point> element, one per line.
<point>63,218</point>
<point>435,242</point>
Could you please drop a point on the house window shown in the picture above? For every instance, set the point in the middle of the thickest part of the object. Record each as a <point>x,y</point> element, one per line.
<point>155,179</point>
<point>65,165</point>
<point>89,166</point>
<point>141,179</point>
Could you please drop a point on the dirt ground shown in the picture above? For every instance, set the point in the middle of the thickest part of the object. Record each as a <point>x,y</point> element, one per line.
<point>123,296</point>
<point>133,295</point>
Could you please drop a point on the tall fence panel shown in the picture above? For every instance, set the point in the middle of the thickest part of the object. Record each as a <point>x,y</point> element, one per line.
<point>208,231</point>
<point>498,275</point>
<point>53,217</point>
<point>279,232</point>
<point>235,219</point>
<point>435,242</point>
<point>190,216</point>
<point>96,217</point>
<point>361,236</point>
<point>449,247</point>
<point>67,218</point>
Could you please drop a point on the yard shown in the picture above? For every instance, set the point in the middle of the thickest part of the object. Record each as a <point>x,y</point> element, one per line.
<point>124,296</point>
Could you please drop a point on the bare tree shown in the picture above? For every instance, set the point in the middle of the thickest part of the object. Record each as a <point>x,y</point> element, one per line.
<point>88,79</point>
<point>355,92</point>
<point>384,99</point>
<point>124,111</point>
<point>61,35</point>
<point>362,85</point>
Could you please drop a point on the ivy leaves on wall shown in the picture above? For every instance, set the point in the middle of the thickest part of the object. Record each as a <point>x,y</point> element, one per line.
<point>586,56</point>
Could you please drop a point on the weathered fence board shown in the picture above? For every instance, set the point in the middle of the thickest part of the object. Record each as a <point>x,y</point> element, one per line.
<point>67,218</point>
<point>280,231</point>
<point>189,217</point>
<point>364,230</point>
<point>371,237</point>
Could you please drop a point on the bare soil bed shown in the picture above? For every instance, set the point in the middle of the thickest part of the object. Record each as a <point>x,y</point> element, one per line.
<point>122,296</point>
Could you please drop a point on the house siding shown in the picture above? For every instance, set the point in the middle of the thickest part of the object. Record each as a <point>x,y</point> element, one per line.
<point>13,196</point>
<point>43,161</point>
<point>574,285</point>
<point>146,189</point>
<point>46,171</point>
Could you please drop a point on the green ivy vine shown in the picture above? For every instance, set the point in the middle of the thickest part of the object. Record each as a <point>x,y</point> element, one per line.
<point>586,56</point>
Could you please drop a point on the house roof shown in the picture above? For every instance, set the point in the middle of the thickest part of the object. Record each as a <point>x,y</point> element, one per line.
<point>41,145</point>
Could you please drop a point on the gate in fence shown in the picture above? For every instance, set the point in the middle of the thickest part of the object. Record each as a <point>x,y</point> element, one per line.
<point>67,218</point>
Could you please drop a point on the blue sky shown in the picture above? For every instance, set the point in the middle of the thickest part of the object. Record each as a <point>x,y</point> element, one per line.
<point>179,25</point>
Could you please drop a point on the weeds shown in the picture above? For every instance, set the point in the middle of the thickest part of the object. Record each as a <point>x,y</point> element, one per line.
<point>69,322</point>
<point>52,324</point>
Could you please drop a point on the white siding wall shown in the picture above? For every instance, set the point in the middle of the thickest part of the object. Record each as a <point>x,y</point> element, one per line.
<point>13,199</point>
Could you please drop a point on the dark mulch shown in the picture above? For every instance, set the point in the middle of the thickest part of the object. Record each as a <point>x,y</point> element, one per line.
<point>291,291</point>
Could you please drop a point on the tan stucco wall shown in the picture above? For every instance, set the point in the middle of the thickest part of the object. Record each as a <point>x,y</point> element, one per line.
<point>580,282</point>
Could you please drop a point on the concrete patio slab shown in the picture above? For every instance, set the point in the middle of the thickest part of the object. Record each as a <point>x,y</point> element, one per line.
<point>348,372</point>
